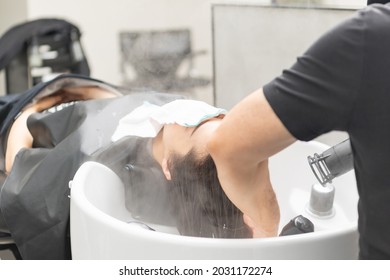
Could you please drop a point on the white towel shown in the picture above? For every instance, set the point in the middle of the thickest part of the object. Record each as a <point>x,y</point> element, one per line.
<point>148,119</point>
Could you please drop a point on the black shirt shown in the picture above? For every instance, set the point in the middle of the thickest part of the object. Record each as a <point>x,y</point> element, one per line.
<point>342,82</point>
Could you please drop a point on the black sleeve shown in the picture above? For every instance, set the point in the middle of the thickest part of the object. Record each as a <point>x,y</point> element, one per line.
<point>317,94</point>
<point>370,2</point>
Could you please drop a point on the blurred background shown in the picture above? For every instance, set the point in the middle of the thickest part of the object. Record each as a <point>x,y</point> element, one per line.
<point>214,51</point>
<point>102,22</point>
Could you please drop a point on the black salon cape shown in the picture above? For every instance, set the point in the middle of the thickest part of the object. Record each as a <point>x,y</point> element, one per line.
<point>34,198</point>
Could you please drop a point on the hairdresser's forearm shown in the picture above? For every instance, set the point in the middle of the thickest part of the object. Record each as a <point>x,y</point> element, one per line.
<point>246,138</point>
<point>250,189</point>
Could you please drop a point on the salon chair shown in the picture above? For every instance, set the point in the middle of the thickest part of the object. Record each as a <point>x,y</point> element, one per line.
<point>38,50</point>
<point>151,59</point>
<point>6,241</point>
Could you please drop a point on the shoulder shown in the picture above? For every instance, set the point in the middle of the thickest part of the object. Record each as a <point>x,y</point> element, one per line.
<point>366,26</point>
<point>375,14</point>
<point>373,19</point>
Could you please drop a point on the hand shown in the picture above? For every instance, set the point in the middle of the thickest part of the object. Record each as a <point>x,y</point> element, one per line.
<point>43,104</point>
<point>67,95</point>
<point>85,93</point>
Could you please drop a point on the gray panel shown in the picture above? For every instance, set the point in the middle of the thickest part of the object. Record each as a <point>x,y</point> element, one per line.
<point>253,44</point>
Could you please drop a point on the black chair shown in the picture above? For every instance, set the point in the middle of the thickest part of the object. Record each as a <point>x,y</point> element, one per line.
<point>155,57</point>
<point>40,49</point>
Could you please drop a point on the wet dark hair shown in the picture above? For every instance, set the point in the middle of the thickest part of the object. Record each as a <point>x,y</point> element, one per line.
<point>201,206</point>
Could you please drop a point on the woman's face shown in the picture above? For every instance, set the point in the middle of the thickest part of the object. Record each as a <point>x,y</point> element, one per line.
<point>180,140</point>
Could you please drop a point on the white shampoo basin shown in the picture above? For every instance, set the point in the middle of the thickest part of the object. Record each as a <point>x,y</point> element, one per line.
<point>99,228</point>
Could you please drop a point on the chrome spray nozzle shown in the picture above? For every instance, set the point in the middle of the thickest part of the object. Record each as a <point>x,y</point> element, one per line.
<point>332,163</point>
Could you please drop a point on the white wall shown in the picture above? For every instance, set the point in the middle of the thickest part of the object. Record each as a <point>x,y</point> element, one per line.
<point>352,3</point>
<point>11,12</point>
<point>334,3</point>
<point>102,20</point>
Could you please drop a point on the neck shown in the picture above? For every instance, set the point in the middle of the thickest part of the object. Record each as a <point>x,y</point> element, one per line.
<point>158,147</point>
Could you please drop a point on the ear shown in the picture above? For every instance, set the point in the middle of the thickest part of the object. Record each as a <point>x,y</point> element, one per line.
<point>165,169</point>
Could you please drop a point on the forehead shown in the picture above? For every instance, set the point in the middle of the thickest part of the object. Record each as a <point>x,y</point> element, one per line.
<point>190,112</point>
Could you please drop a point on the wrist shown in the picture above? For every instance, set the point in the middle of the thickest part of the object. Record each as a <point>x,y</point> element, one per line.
<point>269,229</point>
